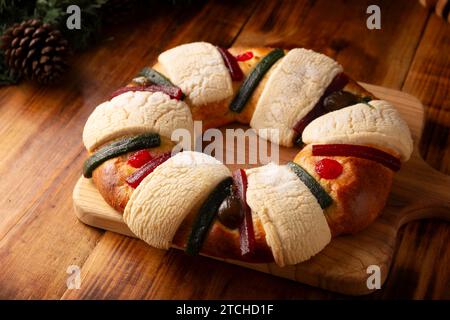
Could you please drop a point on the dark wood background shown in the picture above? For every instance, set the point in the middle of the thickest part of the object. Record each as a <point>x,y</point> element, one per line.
<point>41,150</point>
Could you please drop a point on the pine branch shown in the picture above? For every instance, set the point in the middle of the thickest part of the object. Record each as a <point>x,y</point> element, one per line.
<point>12,11</point>
<point>54,12</point>
<point>6,77</point>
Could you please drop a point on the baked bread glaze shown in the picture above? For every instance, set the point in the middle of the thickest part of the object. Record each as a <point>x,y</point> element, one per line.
<point>358,194</point>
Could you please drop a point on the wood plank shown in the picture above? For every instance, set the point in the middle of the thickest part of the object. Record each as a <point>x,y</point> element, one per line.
<point>133,272</point>
<point>93,77</point>
<point>429,80</point>
<point>122,256</point>
<point>41,157</point>
<point>37,251</point>
<point>37,118</point>
<point>421,265</point>
<point>350,255</point>
<point>338,28</point>
<point>42,153</point>
<point>289,28</point>
<point>383,57</point>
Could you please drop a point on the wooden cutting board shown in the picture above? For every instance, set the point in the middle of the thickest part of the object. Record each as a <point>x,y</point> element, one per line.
<point>418,192</point>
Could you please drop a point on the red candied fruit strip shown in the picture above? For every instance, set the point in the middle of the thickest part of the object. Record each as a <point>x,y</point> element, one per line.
<point>173,92</point>
<point>328,168</point>
<point>244,56</point>
<point>350,150</point>
<point>246,232</point>
<point>232,65</point>
<point>139,158</point>
<point>136,178</point>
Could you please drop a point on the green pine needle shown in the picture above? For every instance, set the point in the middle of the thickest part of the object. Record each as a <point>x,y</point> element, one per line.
<point>366,100</point>
<point>6,77</point>
<point>54,13</point>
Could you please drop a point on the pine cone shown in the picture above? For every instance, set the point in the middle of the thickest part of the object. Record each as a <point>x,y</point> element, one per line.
<point>35,50</point>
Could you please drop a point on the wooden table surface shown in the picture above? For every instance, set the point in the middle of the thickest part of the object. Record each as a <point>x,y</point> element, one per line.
<point>42,152</point>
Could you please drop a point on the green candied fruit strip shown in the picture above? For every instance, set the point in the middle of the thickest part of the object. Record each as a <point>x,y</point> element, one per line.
<point>253,79</point>
<point>316,189</point>
<point>119,147</point>
<point>157,78</point>
<point>206,215</point>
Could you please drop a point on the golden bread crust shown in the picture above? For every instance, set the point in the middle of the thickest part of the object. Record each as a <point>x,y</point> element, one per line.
<point>109,178</point>
<point>217,114</point>
<point>359,194</point>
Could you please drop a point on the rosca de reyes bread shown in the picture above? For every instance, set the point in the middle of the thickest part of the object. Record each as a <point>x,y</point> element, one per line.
<point>338,183</point>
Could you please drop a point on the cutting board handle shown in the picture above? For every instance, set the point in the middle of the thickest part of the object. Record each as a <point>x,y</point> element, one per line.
<point>428,195</point>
